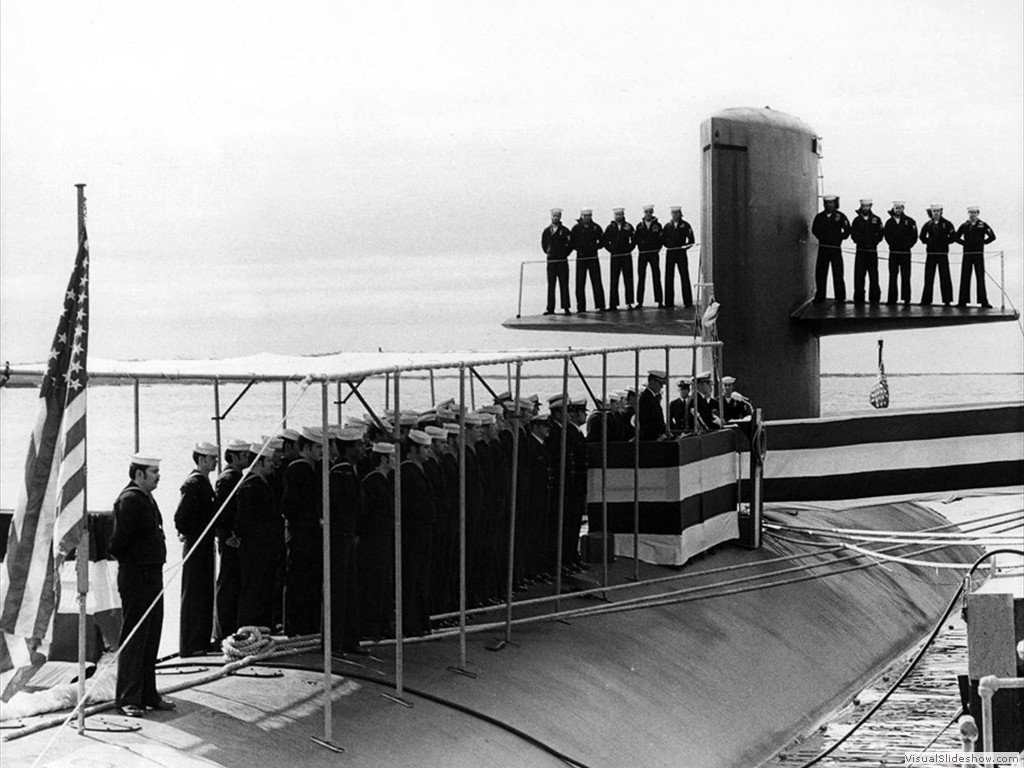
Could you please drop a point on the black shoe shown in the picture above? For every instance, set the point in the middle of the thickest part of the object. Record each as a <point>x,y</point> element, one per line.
<point>906,302</point>
<point>946,303</point>
<point>690,305</point>
<point>890,303</point>
<point>669,306</point>
<point>163,705</point>
<point>629,307</point>
<point>549,311</point>
<point>639,305</point>
<point>130,710</point>
<point>661,306</point>
<point>986,305</point>
<point>960,305</point>
<point>566,311</point>
<point>602,309</point>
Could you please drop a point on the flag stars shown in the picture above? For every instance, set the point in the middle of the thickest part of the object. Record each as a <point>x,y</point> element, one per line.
<point>81,313</point>
<point>62,338</point>
<point>70,295</point>
<point>82,281</point>
<point>76,348</point>
<point>75,366</point>
<point>54,354</point>
<point>79,331</point>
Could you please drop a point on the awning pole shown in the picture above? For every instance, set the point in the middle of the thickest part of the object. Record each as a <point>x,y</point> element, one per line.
<point>561,483</point>
<point>216,420</point>
<point>512,510</point>
<point>604,469</point>
<point>636,466</point>
<point>135,392</point>
<point>462,519</point>
<point>325,483</point>
<point>399,638</point>
<point>284,404</point>
<point>433,396</point>
<point>387,397</point>
<point>667,389</point>
<point>338,398</point>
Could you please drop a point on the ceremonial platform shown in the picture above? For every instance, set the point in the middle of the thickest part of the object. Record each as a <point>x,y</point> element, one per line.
<point>677,321</point>
<point>833,318</point>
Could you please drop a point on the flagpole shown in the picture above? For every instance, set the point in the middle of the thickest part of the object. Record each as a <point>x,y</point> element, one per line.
<point>82,555</point>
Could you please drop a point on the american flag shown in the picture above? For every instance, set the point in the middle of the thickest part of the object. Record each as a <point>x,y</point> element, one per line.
<point>879,396</point>
<point>50,512</point>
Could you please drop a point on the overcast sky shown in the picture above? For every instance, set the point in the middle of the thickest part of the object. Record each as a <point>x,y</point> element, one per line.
<point>307,177</point>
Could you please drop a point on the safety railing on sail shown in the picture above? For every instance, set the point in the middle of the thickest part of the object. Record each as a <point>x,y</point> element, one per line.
<point>602,257</point>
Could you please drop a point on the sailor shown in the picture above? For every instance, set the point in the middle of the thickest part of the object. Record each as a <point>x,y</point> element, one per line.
<point>707,416</point>
<point>500,469</point>
<point>536,555</point>
<point>345,510</point>
<point>900,235</point>
<point>375,553</point>
<point>302,507</point>
<point>195,512</point>
<point>936,234</point>
<point>229,577</point>
<point>576,500</point>
<point>595,421</point>
<point>831,227</point>
<point>587,240</point>
<point>652,412</point>
<point>648,240</point>
<point>286,446</point>
<point>867,232</point>
<point>677,237</point>
<point>619,241</point>
<point>257,526</point>
<point>417,521</point>
<point>445,528</point>
<point>138,544</point>
<point>736,406</point>
<point>556,241</point>
<point>974,234</point>
<point>680,410</point>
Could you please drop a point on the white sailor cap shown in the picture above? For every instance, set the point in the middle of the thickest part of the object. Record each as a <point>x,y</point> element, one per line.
<point>586,211</point>
<point>706,376</point>
<point>262,450</point>
<point>728,379</point>
<point>474,420</point>
<point>436,433</point>
<point>556,401</point>
<point>419,437</point>
<point>555,210</point>
<point>291,435</point>
<point>657,375</point>
<point>238,445</point>
<point>618,210</point>
<point>830,198</point>
<point>578,402</point>
<point>206,449</point>
<point>313,434</point>
<point>144,461</point>
<point>348,435</point>
<point>495,409</point>
<point>899,204</point>
<point>973,209</point>
<point>387,449</point>
<point>274,443</point>
<point>676,209</point>
<point>406,419</point>
<point>453,428</point>
<point>648,207</point>
<point>540,419</point>
<point>935,207</point>
<point>866,201</point>
<point>487,418</point>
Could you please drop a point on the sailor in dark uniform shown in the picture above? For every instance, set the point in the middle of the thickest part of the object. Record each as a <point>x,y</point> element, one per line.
<point>936,235</point>
<point>417,520</point>
<point>974,234</point>
<point>229,577</point>
<point>587,240</point>
<point>475,511</point>
<point>138,544</point>
<point>652,412</point>
<point>831,227</point>
<point>900,235</point>
<point>195,511</point>
<point>867,232</point>
<point>677,237</point>
<point>441,534</point>
<point>376,554</point>
<point>302,507</point>
<point>576,475</point>
<point>345,513</point>
<point>536,556</point>
<point>706,405</point>
<point>680,411</point>
<point>619,241</point>
<point>648,241</point>
<point>736,406</point>
<point>556,242</point>
<point>596,420</point>
<point>258,529</point>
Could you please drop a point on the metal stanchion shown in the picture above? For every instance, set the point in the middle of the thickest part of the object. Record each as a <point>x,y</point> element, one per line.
<point>561,483</point>
<point>399,638</point>
<point>284,404</point>
<point>433,396</point>
<point>667,389</point>
<point>604,470</point>
<point>461,668</point>
<point>135,393</point>
<point>636,466</point>
<point>510,571</point>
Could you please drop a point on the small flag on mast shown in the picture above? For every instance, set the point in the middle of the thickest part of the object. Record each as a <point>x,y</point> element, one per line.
<point>50,511</point>
<point>880,392</point>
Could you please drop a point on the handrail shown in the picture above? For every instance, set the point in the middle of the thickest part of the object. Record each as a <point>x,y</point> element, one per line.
<point>987,687</point>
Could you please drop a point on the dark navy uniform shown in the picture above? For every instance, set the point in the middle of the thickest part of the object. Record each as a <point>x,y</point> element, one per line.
<point>867,233</point>
<point>680,417</point>
<point>537,498</point>
<point>139,546</point>
<point>648,241</point>
<point>257,526</point>
<point>652,416</point>
<point>973,236</point>
<point>195,511</point>
<point>376,554</point>
<point>900,235</point>
<point>229,577</point>
<point>576,496</point>
<point>676,237</point>
<point>301,505</point>
<point>417,520</point>
<point>587,240</point>
<point>556,241</point>
<point>619,241</point>
<point>346,505</point>
<point>937,236</point>
<point>831,228</point>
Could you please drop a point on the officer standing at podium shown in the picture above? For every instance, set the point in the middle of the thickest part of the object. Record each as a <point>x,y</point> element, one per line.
<point>831,227</point>
<point>556,240</point>
<point>974,234</point>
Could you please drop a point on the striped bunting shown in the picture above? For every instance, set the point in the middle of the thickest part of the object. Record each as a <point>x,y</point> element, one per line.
<point>50,511</point>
